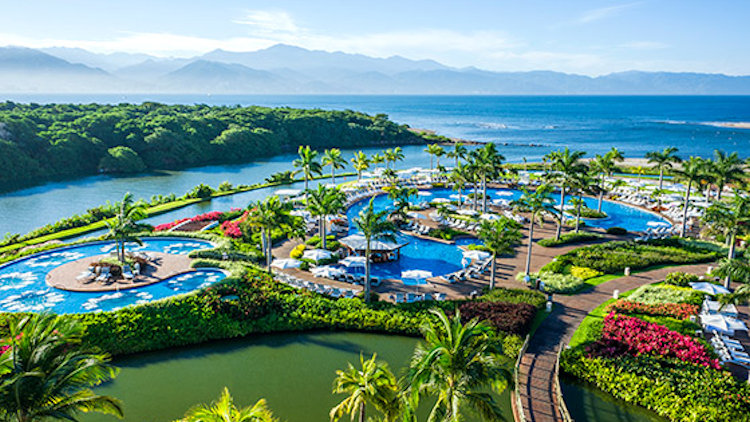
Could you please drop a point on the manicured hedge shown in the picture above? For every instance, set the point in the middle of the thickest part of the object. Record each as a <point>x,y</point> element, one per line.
<point>673,310</point>
<point>665,293</point>
<point>569,238</point>
<point>512,318</point>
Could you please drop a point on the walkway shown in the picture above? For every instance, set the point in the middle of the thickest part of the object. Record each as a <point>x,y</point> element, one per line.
<point>536,374</point>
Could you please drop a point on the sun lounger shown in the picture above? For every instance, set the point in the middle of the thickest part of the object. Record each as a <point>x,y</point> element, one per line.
<point>103,275</point>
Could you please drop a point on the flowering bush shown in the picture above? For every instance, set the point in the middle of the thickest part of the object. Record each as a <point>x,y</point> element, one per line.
<point>681,279</point>
<point>674,310</point>
<point>231,228</point>
<point>209,216</point>
<point>170,225</point>
<point>297,251</point>
<point>511,318</point>
<point>622,334</point>
<point>584,273</point>
<point>653,295</point>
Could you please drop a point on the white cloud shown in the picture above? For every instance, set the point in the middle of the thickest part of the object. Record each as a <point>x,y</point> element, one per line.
<point>268,22</point>
<point>604,12</point>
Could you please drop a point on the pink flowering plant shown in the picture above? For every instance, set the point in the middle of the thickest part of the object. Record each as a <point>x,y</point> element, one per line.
<point>681,311</point>
<point>622,334</point>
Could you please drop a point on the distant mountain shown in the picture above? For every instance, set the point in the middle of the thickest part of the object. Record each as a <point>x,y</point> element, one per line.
<point>284,69</point>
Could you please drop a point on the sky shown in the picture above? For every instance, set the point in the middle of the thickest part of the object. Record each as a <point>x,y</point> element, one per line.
<point>573,36</point>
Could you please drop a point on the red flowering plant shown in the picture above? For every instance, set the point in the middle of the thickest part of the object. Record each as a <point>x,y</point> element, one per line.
<point>674,310</point>
<point>622,334</point>
<point>209,216</point>
<point>170,225</point>
<point>231,228</point>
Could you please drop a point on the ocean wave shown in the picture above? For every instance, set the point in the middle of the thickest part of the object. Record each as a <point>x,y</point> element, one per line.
<point>727,125</point>
<point>491,125</point>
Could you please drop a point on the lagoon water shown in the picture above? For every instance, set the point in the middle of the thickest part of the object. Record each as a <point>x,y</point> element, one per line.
<point>594,124</point>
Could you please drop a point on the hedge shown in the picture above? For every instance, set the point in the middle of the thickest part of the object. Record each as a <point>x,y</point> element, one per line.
<point>569,238</point>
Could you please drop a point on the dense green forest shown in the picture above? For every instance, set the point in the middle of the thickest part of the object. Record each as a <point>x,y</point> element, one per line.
<point>48,142</point>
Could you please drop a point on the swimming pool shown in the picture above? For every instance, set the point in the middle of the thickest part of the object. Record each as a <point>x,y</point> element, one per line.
<point>441,258</point>
<point>23,287</point>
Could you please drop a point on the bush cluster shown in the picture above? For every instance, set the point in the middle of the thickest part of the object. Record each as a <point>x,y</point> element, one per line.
<point>657,294</point>
<point>584,273</point>
<point>512,318</point>
<point>673,310</point>
<point>569,238</point>
<point>617,231</point>
<point>681,279</point>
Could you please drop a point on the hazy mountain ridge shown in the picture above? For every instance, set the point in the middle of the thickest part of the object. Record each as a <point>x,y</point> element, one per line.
<point>283,69</point>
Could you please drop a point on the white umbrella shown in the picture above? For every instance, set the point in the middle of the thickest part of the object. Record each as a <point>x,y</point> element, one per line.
<point>327,271</point>
<point>490,217</point>
<point>424,193</point>
<point>467,212</point>
<point>300,213</point>
<point>413,214</point>
<point>476,255</point>
<point>353,261</point>
<point>501,202</point>
<point>317,254</point>
<point>722,323</point>
<point>416,274</point>
<point>286,263</point>
<point>710,288</point>
<point>658,224</point>
<point>504,193</point>
<point>441,200</point>
<point>456,196</point>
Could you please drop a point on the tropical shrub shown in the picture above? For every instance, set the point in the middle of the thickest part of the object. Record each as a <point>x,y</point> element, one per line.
<point>681,279</point>
<point>623,334</point>
<point>532,297</point>
<point>201,191</point>
<point>674,310</point>
<point>569,238</point>
<point>656,294</point>
<point>297,251</point>
<point>512,318</point>
<point>587,212</point>
<point>556,282</point>
<point>617,231</point>
<point>584,273</point>
<point>676,390</point>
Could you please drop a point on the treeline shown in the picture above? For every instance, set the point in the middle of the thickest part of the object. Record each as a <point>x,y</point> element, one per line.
<point>47,142</point>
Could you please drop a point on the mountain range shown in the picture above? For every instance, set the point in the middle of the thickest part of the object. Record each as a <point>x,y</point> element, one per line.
<point>285,69</point>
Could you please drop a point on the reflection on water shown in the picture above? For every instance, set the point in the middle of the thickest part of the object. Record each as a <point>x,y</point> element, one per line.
<point>589,404</point>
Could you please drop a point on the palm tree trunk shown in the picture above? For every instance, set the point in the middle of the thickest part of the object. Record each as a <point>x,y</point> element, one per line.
<point>601,194</point>
<point>324,235</point>
<point>460,195</point>
<point>578,212</point>
<point>728,279</point>
<point>562,215</point>
<point>492,271</point>
<point>719,188</point>
<point>431,167</point>
<point>484,193</point>
<point>685,209</point>
<point>475,196</point>
<point>661,178</point>
<point>531,242</point>
<point>362,412</point>
<point>333,176</point>
<point>267,244</point>
<point>367,272</point>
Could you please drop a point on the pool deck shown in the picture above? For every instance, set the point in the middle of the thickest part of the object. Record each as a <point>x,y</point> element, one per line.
<point>162,266</point>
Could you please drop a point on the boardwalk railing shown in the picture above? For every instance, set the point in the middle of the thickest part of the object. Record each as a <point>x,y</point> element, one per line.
<point>558,390</point>
<point>519,415</point>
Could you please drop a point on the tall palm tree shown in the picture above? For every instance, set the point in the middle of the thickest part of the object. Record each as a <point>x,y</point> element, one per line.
<point>488,162</point>
<point>332,157</point>
<point>707,177</point>
<point>458,152</point>
<point>323,202</point>
<point>459,177</point>
<point>730,219</point>
<point>435,151</point>
<point>568,166</point>
<point>224,410</point>
<point>373,226</point>
<point>537,203</point>
<point>663,160</point>
<point>401,197</point>
<point>372,384</point>
<point>690,172</point>
<point>605,165</point>
<point>584,184</point>
<point>377,159</point>
<point>48,375</point>
<point>307,163</point>
<point>124,224</point>
<point>263,217</point>
<point>360,162</point>
<point>460,365</point>
<point>728,169</point>
<point>398,155</point>
<point>500,237</point>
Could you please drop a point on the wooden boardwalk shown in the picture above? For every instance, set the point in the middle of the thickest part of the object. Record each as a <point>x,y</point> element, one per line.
<point>536,373</point>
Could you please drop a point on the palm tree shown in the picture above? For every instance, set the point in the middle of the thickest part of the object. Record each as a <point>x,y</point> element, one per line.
<point>360,162</point>
<point>373,226</point>
<point>307,163</point>
<point>730,219</point>
<point>332,157</point>
<point>584,184</point>
<point>264,216</point>
<point>435,150</point>
<point>707,178</point>
<point>124,224</point>
<point>568,166</point>
<point>397,155</point>
<point>460,365</point>
<point>663,160</point>
<point>488,165</point>
<point>605,165</point>
<point>728,169</point>
<point>377,159</point>
<point>459,177</point>
<point>536,203</point>
<point>323,202</point>
<point>47,374</point>
<point>224,410</point>
<point>374,384</point>
<point>500,237</point>
<point>458,152</point>
<point>690,172</point>
<point>401,197</point>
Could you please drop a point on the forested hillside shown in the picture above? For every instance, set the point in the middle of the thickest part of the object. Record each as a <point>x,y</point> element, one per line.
<point>47,142</point>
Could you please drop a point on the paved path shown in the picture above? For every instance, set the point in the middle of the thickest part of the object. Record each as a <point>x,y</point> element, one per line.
<point>536,373</point>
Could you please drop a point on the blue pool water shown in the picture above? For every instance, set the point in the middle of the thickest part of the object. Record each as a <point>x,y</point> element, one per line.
<point>440,258</point>
<point>23,287</point>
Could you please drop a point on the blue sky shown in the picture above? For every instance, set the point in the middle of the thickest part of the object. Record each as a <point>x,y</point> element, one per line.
<point>576,36</point>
